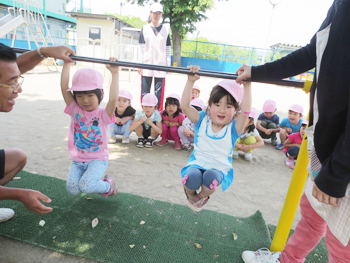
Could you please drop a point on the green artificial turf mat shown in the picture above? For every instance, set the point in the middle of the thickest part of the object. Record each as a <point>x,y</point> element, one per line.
<point>168,235</point>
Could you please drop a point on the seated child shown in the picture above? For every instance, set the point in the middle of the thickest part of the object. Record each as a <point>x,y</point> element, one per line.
<point>292,145</point>
<point>124,115</point>
<point>148,122</point>
<point>290,124</point>
<point>249,140</point>
<point>196,92</point>
<point>172,118</point>
<point>268,122</point>
<point>186,130</point>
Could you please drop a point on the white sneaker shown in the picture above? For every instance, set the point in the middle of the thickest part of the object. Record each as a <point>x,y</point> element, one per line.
<point>112,139</point>
<point>263,255</point>
<point>235,155</point>
<point>125,140</point>
<point>6,214</point>
<point>248,157</point>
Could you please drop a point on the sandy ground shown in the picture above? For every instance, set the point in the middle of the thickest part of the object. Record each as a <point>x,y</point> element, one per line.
<point>39,127</point>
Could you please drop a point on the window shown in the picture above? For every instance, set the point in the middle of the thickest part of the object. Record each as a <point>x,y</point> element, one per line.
<point>94,33</point>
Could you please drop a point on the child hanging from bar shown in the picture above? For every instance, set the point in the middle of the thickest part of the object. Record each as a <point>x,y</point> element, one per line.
<point>216,131</point>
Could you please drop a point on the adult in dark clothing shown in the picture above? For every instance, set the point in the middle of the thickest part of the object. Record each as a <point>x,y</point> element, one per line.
<point>325,205</point>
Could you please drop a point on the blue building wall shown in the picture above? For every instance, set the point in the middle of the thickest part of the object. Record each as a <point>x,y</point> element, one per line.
<point>214,65</point>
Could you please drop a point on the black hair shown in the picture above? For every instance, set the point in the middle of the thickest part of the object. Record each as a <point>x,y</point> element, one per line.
<point>172,101</point>
<point>303,125</point>
<point>219,92</point>
<point>197,108</point>
<point>7,53</point>
<point>251,127</point>
<point>98,92</point>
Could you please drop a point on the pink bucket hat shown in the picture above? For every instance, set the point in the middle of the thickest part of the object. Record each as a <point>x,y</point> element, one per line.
<point>253,113</point>
<point>197,88</point>
<point>125,94</point>
<point>305,122</point>
<point>296,108</point>
<point>149,100</point>
<point>233,88</point>
<point>86,79</point>
<point>175,96</point>
<point>269,106</point>
<point>198,103</point>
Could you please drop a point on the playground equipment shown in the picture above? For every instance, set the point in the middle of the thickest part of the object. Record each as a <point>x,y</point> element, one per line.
<point>300,173</point>
<point>26,12</point>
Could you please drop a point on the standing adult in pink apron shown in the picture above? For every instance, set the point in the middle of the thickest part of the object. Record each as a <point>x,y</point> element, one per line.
<point>155,48</point>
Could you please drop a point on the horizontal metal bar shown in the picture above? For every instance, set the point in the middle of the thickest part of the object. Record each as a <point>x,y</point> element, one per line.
<point>206,73</point>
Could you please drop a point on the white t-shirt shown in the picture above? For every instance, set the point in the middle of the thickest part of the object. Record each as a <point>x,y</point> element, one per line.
<point>247,134</point>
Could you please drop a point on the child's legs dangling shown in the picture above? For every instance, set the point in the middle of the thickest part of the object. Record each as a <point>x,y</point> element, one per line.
<point>192,181</point>
<point>211,179</point>
<point>76,171</point>
<point>91,181</point>
<point>306,236</point>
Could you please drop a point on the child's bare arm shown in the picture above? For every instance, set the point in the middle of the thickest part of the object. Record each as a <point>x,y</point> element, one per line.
<point>245,107</point>
<point>67,95</point>
<point>189,111</point>
<point>136,123</point>
<point>114,89</point>
<point>156,127</point>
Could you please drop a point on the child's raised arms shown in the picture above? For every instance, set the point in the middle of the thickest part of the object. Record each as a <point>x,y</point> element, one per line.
<point>246,105</point>
<point>189,111</point>
<point>67,96</point>
<point>114,89</point>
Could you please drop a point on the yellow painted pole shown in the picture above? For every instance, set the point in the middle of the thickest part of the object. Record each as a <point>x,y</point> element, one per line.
<point>292,200</point>
<point>295,190</point>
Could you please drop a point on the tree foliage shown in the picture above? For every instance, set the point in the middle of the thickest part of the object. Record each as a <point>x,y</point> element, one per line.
<point>182,16</point>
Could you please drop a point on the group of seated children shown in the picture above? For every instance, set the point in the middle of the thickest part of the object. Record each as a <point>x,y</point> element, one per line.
<point>171,124</point>
<point>291,131</point>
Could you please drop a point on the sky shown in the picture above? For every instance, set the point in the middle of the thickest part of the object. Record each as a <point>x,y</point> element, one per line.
<point>244,22</point>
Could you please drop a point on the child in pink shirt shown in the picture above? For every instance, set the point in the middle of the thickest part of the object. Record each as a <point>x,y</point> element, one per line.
<point>87,138</point>
<point>172,118</point>
<point>292,145</point>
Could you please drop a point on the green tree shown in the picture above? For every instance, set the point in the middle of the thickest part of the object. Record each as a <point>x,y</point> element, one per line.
<point>132,20</point>
<point>182,15</point>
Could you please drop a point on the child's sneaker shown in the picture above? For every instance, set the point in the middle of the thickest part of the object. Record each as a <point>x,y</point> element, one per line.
<point>196,203</point>
<point>162,142</point>
<point>113,190</point>
<point>274,141</point>
<point>125,140</point>
<point>279,146</point>
<point>178,145</point>
<point>112,139</point>
<point>290,163</point>
<point>6,214</point>
<point>263,255</point>
<point>235,155</point>
<point>189,197</point>
<point>140,142</point>
<point>248,157</point>
<point>186,147</point>
<point>149,143</point>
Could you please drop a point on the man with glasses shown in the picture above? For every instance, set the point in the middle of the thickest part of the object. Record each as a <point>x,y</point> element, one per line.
<point>13,160</point>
